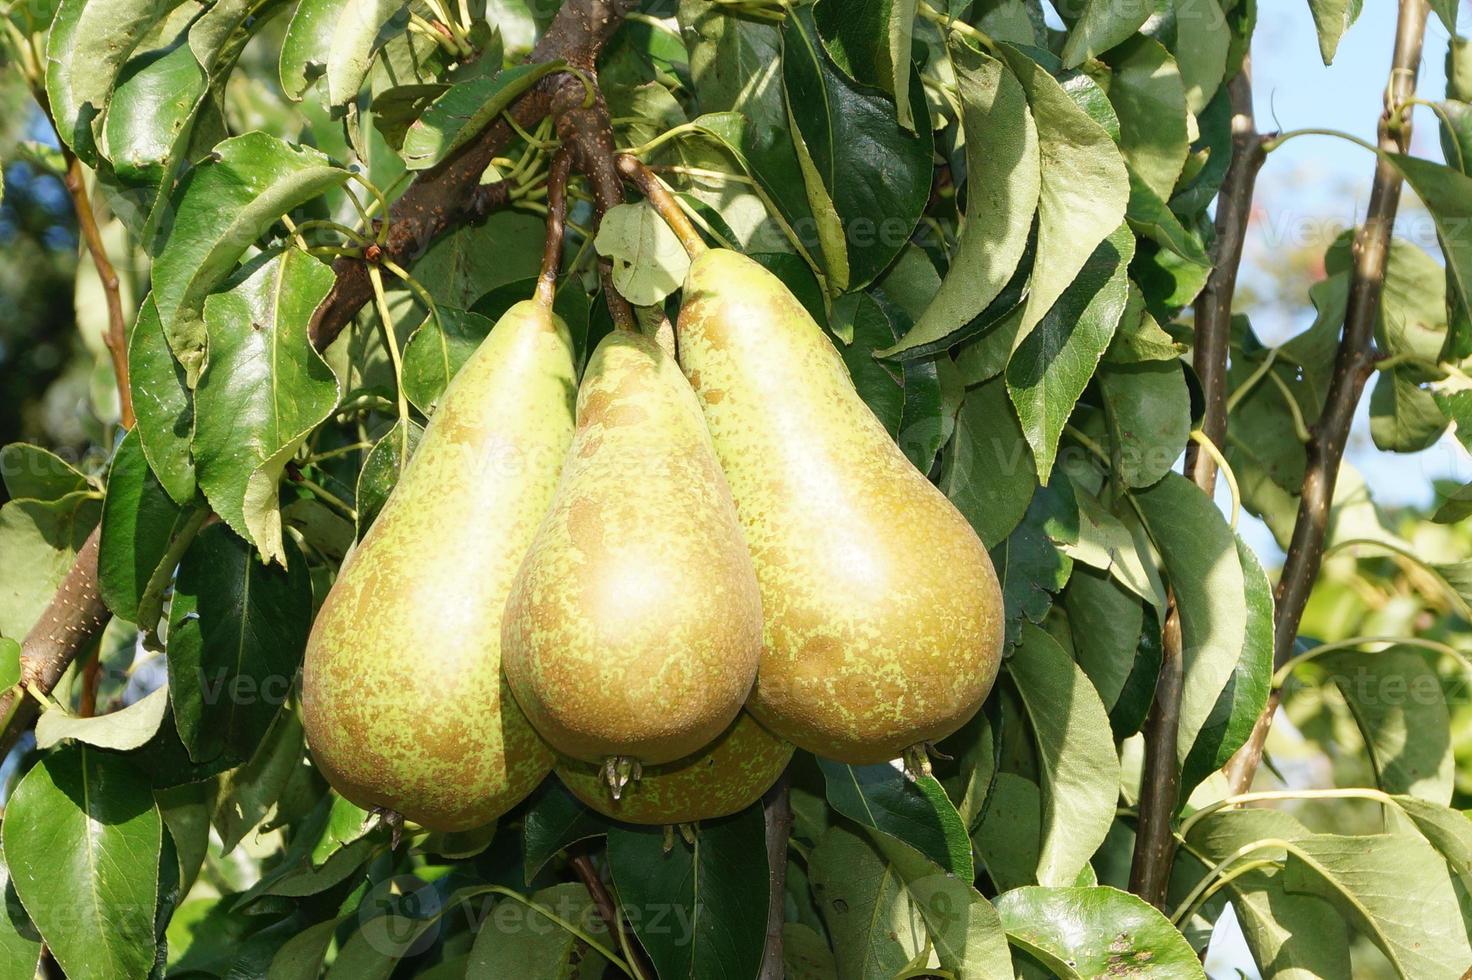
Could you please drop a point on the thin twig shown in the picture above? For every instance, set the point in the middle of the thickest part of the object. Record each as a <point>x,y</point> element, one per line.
<point>1353,365</point>
<point>116,337</point>
<point>777,809</point>
<point>582,866</point>
<point>1160,781</point>
<point>663,202</point>
<point>556,227</point>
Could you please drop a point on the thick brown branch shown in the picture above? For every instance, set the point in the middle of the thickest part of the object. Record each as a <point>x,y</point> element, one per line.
<point>70,622</point>
<point>556,227</point>
<point>450,194</point>
<point>1353,365</point>
<point>588,134</point>
<point>1160,780</point>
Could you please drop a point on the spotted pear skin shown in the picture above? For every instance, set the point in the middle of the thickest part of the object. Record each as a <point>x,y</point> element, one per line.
<point>404,703</point>
<point>634,628</point>
<point>883,614</point>
<point>728,775</point>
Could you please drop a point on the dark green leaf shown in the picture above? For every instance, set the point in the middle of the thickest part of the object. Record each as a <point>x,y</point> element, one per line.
<point>873,921</point>
<point>437,350</point>
<point>914,811</point>
<point>249,792</point>
<point>1029,565</point>
<point>163,404</point>
<point>1075,752</point>
<point>381,469</point>
<point>463,266</point>
<point>237,629</point>
<point>1149,414</point>
<point>1105,622</point>
<point>83,839</point>
<point>1332,18</point>
<point>529,945</point>
<point>20,943</point>
<point>264,390</point>
<point>1144,87</point>
<point>1002,185</point>
<point>1053,363</point>
<point>467,108</point>
<point>706,902</point>
<point>1210,588</point>
<point>554,820</point>
<point>871,43</point>
<point>873,174</point>
<point>988,471</point>
<point>1404,416</point>
<point>140,523</point>
<point>219,210</point>
<point>1084,187</point>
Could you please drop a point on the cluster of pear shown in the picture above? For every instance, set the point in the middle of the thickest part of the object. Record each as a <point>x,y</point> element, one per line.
<point>671,574</point>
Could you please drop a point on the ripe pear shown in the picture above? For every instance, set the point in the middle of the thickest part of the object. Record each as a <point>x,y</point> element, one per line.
<point>883,613</point>
<point>726,776</point>
<point>633,630</point>
<point>404,703</point>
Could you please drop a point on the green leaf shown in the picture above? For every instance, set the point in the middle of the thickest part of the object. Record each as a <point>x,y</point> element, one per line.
<point>122,730</point>
<point>1395,890</point>
<point>88,43</point>
<point>649,262</point>
<point>1052,364</point>
<point>1448,830</point>
<point>1332,18</point>
<point>1149,415</point>
<point>714,892</point>
<point>1455,508</point>
<point>39,539</point>
<point>220,209</point>
<point>1195,32</point>
<point>1404,416</point>
<point>1206,575</point>
<point>436,350</point>
<point>914,811</point>
<point>555,820</point>
<point>248,793</point>
<point>163,404</point>
<point>264,390</point>
<point>1295,936</point>
<point>988,472</point>
<point>1002,186</point>
<point>1105,622</point>
<point>531,946</point>
<point>140,523</point>
<point>237,630</point>
<point>1030,566</point>
<point>1145,88</point>
<point>33,473</point>
<point>1102,25</point>
<point>1080,933</point>
<point>1008,839</point>
<point>905,398</point>
<point>1396,699</point>
<point>1152,218</point>
<point>874,924</point>
<point>83,839</point>
<point>462,266</point>
<point>1245,695</point>
<point>151,116</point>
<point>463,111</point>
<point>381,469</point>
<point>1109,543</point>
<point>875,175</point>
<point>1075,753</point>
<point>20,943</point>
<point>871,43</point>
<point>10,667</point>
<point>1085,187</point>
<point>357,30</point>
<point>805,954</point>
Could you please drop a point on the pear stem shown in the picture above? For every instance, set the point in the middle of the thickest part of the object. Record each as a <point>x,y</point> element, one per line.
<point>556,227</point>
<point>660,198</point>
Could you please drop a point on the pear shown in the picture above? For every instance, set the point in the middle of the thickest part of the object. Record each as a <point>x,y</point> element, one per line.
<point>404,703</point>
<point>633,630</point>
<point>883,613</point>
<point>728,775</point>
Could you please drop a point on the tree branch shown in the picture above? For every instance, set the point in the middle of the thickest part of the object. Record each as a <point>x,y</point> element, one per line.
<point>1353,365</point>
<point>587,132</point>
<point>1214,305</point>
<point>116,337</point>
<point>450,195</point>
<point>1161,779</point>
<point>777,809</point>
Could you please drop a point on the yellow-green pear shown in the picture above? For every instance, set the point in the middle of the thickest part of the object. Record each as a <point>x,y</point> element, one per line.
<point>883,614</point>
<point>729,775</point>
<point>634,628</point>
<point>404,702</point>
